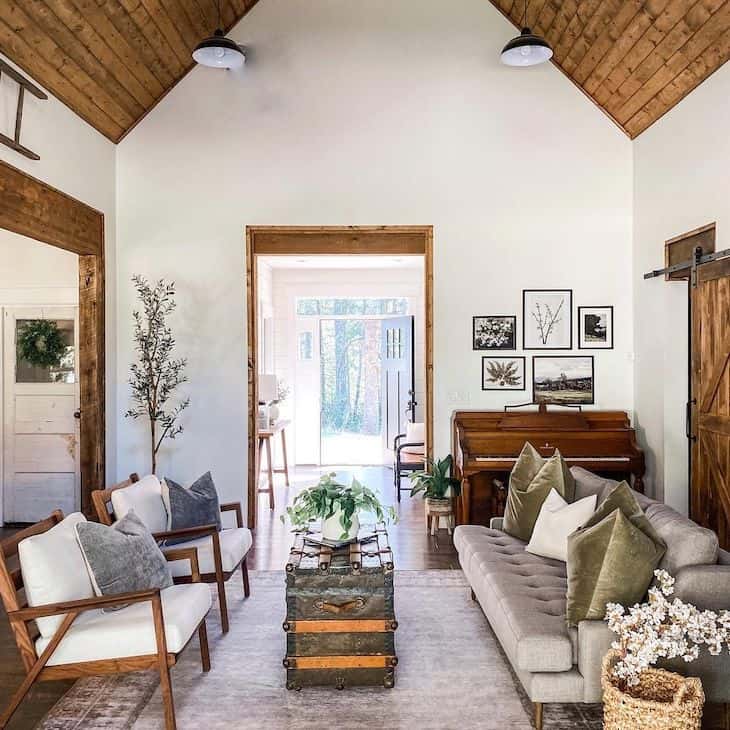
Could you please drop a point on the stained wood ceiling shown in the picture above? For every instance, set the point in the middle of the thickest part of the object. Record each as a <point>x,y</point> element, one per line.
<point>635,58</point>
<point>110,61</point>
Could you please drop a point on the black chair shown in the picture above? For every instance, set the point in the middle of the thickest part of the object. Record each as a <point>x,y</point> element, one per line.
<point>404,462</point>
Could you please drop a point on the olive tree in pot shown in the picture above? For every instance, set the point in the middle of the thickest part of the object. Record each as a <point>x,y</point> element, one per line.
<point>338,507</point>
<point>436,485</point>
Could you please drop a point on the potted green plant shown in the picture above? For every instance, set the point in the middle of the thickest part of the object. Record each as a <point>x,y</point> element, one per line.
<point>338,506</point>
<point>436,485</point>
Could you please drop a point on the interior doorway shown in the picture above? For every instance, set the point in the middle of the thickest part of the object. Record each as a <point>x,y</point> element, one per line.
<point>34,210</point>
<point>330,382</point>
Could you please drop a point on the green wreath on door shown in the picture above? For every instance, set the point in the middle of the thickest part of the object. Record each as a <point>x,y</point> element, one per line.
<point>40,342</point>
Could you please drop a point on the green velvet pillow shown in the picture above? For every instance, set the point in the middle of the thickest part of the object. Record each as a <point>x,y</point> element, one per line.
<point>530,482</point>
<point>612,558</point>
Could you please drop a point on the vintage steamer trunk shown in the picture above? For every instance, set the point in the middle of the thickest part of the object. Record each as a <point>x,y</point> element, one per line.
<point>340,617</point>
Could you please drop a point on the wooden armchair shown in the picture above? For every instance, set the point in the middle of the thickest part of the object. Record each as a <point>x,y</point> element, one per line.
<point>83,648</point>
<point>220,554</point>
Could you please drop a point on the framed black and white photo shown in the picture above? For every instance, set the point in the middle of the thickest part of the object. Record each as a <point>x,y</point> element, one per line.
<point>494,333</point>
<point>547,319</point>
<point>563,379</point>
<point>503,373</point>
<point>595,328</point>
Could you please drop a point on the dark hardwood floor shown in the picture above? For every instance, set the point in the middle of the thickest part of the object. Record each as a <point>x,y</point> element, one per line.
<point>413,547</point>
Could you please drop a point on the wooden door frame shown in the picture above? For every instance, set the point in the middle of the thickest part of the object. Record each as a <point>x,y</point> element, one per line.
<point>329,241</point>
<point>34,209</point>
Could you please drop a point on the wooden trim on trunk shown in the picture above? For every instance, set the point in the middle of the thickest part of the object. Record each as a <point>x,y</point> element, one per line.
<point>34,209</point>
<point>329,240</point>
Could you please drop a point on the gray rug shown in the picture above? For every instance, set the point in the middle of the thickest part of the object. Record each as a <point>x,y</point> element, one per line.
<point>451,674</point>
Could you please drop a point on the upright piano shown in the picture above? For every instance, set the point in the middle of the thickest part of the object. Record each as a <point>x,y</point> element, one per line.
<point>486,445</point>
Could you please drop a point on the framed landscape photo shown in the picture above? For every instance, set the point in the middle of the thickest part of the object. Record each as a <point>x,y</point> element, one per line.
<point>547,319</point>
<point>503,373</point>
<point>563,379</point>
<point>494,332</point>
<point>595,328</point>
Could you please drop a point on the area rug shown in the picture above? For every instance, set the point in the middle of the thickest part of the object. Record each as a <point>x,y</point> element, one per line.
<point>451,674</point>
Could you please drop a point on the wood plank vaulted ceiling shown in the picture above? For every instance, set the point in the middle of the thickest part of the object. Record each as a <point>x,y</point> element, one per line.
<point>635,58</point>
<point>111,61</point>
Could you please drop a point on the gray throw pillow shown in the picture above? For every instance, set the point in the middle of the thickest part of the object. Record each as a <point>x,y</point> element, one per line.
<point>122,558</point>
<point>195,506</point>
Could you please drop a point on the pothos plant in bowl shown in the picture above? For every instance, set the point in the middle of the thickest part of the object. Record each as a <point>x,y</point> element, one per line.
<point>435,482</point>
<point>338,506</point>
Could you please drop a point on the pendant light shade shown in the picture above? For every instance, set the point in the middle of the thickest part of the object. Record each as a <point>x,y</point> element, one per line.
<point>219,52</point>
<point>526,49</point>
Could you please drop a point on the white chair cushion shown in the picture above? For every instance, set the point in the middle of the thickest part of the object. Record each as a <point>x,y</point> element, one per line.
<point>54,570</point>
<point>415,434</point>
<point>235,543</point>
<point>145,498</point>
<point>131,631</point>
<point>557,520</point>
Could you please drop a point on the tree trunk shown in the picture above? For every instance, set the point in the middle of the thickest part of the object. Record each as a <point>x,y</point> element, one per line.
<point>153,444</point>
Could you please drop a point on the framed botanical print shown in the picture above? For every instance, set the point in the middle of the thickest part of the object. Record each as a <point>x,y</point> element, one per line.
<point>503,373</point>
<point>494,332</point>
<point>563,379</point>
<point>547,319</point>
<point>595,328</point>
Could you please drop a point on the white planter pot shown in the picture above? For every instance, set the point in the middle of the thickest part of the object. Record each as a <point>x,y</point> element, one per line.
<point>332,528</point>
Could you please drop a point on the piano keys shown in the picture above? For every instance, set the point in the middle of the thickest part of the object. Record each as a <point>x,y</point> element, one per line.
<point>486,445</point>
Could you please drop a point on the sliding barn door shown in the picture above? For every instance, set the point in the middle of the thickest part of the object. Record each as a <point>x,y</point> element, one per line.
<point>710,422</point>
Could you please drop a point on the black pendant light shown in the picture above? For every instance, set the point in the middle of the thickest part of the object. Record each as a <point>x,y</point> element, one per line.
<point>526,49</point>
<point>219,51</point>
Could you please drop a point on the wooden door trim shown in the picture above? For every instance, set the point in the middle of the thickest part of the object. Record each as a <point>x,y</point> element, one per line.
<point>39,211</point>
<point>329,241</point>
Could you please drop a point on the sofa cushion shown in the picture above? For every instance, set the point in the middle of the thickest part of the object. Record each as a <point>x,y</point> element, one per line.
<point>54,570</point>
<point>130,632</point>
<point>609,562</point>
<point>235,543</point>
<point>145,498</point>
<point>687,543</point>
<point>123,558</point>
<point>557,520</point>
<point>530,482</point>
<point>523,595</point>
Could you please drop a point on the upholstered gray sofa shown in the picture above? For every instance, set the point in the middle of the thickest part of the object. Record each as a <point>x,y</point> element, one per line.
<point>523,597</point>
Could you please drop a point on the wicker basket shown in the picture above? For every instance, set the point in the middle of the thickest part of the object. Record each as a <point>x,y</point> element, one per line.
<point>661,701</point>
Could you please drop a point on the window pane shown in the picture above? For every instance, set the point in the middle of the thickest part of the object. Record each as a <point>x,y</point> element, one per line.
<point>351,306</point>
<point>62,371</point>
<point>305,345</point>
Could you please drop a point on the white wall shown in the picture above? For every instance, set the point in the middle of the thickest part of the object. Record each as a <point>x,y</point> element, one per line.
<point>681,182</point>
<point>354,113</point>
<point>303,407</point>
<point>79,161</point>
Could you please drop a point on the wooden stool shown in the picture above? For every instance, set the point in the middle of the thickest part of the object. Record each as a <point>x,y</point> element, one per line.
<point>265,436</point>
<point>435,510</point>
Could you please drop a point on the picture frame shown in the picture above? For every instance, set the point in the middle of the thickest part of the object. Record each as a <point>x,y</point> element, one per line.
<point>595,328</point>
<point>494,332</point>
<point>503,373</point>
<point>547,319</point>
<point>563,379</point>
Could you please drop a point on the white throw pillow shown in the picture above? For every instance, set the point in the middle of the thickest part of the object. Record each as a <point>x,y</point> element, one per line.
<point>415,434</point>
<point>145,498</point>
<point>54,570</point>
<point>557,520</point>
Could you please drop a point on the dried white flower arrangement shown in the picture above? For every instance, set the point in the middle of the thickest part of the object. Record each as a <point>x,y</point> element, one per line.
<point>663,629</point>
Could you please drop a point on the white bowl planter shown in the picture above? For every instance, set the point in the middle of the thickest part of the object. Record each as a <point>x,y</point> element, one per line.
<point>332,528</point>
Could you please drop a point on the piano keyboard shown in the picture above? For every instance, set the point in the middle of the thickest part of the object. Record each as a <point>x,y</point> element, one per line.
<point>567,458</point>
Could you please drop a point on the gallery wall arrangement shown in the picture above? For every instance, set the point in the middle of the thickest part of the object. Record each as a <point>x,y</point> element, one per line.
<point>547,324</point>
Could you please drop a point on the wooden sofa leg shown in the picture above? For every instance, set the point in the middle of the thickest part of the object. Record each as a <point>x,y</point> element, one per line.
<point>473,595</point>
<point>204,650</point>
<point>538,715</point>
<point>218,562</point>
<point>244,572</point>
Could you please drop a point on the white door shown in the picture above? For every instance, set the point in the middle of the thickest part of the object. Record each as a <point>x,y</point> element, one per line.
<point>41,425</point>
